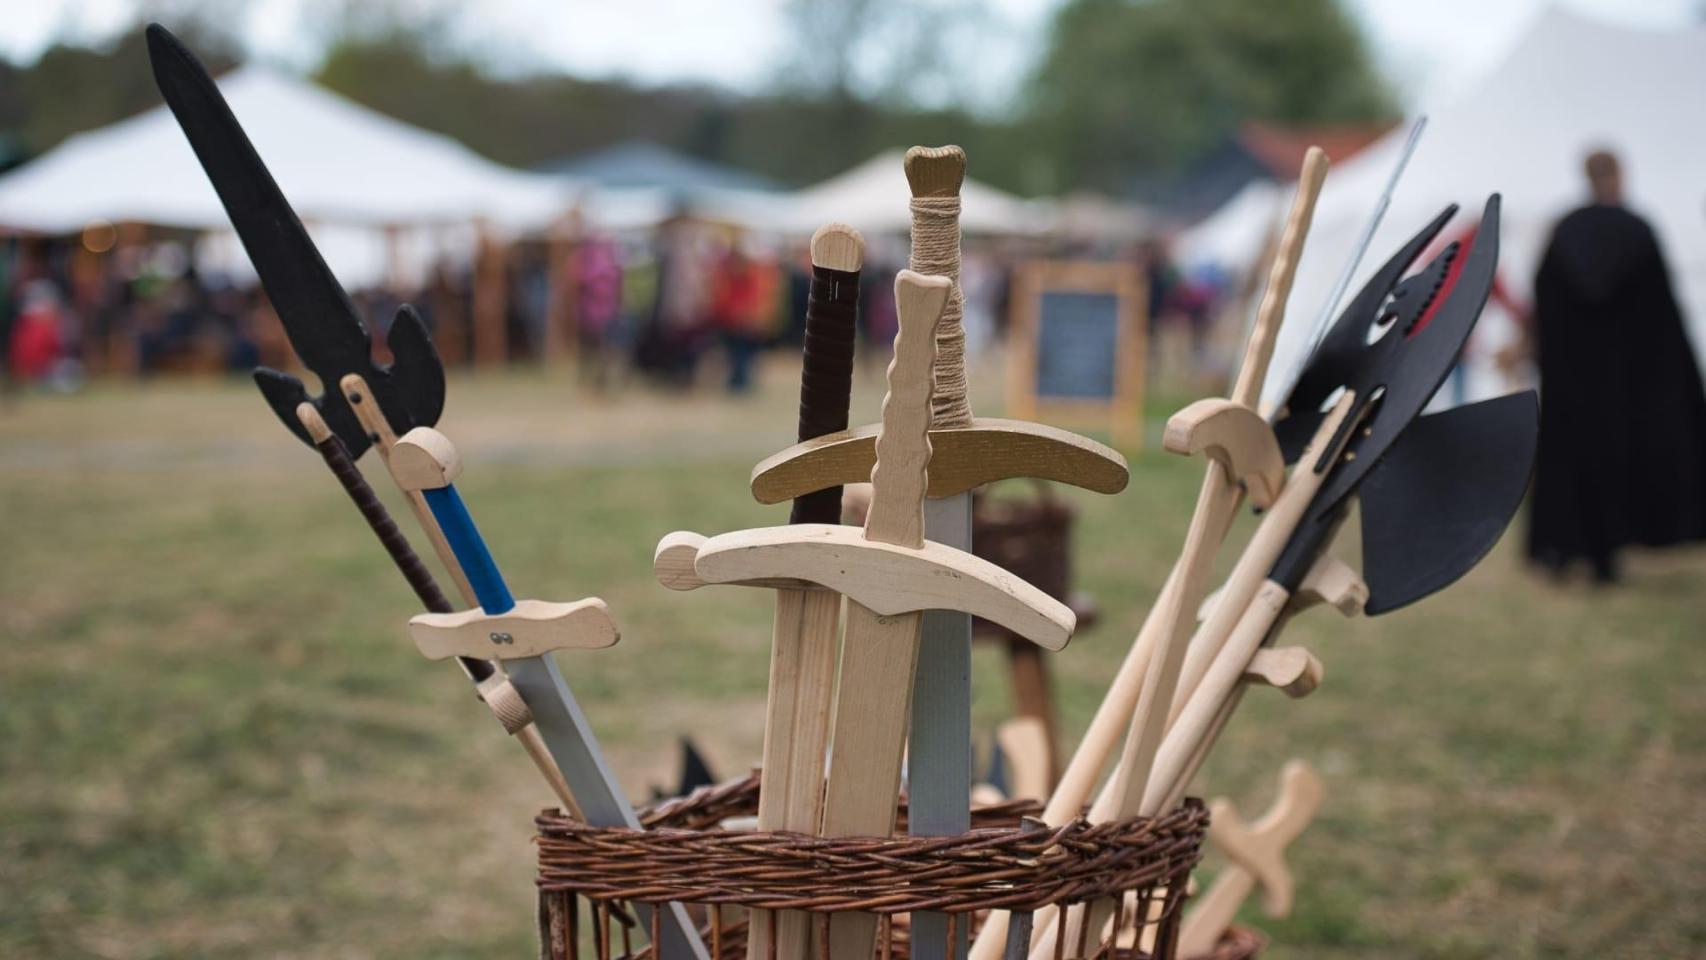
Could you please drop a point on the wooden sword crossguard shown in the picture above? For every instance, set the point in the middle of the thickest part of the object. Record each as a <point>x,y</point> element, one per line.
<point>531,628</point>
<point>1255,854</point>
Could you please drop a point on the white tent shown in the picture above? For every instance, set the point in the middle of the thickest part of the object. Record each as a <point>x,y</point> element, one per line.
<point>1235,234</point>
<point>338,162</point>
<point>873,197</point>
<point>1569,86</point>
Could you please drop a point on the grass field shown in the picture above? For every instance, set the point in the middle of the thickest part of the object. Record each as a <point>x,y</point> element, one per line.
<point>216,741</point>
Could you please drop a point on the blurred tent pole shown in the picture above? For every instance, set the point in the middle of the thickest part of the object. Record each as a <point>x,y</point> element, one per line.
<point>491,297</point>
<point>560,345</point>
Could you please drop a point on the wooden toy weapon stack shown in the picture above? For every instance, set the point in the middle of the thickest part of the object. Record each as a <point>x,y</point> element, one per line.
<point>1435,493</point>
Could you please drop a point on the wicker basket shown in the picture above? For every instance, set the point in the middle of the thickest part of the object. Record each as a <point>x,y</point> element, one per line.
<point>1006,861</point>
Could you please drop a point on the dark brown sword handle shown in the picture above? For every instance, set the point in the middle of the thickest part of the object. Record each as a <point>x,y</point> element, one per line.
<point>337,458</point>
<point>826,379</point>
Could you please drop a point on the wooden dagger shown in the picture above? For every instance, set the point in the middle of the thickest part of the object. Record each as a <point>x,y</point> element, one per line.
<point>521,636</point>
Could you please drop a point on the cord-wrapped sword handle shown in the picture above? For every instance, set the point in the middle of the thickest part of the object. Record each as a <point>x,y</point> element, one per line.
<point>935,175</point>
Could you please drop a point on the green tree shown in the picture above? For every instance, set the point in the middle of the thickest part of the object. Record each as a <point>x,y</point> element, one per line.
<point>74,88</point>
<point>1133,87</point>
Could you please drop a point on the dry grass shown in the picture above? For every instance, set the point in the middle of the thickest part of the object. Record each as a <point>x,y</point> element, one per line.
<point>216,741</point>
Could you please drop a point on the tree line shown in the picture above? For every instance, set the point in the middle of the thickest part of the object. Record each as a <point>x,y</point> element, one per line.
<point>1122,92</point>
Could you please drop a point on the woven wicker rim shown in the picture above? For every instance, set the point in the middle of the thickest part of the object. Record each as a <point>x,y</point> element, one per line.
<point>995,865</point>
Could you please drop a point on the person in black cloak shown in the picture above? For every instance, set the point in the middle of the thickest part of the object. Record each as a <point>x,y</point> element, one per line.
<point>1622,458</point>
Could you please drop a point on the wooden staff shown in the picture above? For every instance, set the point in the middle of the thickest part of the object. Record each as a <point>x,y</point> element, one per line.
<point>1291,669</point>
<point>1126,703</point>
<point>1126,796</point>
<point>359,396</point>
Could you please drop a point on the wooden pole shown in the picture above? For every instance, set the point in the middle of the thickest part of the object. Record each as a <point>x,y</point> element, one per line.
<point>491,299</point>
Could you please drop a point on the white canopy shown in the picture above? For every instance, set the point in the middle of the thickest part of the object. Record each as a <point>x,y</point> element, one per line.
<point>336,161</point>
<point>1571,85</point>
<point>873,197</point>
<point>1235,234</point>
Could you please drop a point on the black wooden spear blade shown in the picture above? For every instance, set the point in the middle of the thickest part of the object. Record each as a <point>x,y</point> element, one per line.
<point>318,316</point>
<point>1442,497</point>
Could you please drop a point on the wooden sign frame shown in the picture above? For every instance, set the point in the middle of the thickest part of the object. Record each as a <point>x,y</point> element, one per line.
<point>1123,412</point>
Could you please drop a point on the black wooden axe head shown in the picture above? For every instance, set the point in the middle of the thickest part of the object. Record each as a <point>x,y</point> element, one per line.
<point>1436,491</point>
<point>1443,496</point>
<point>318,316</point>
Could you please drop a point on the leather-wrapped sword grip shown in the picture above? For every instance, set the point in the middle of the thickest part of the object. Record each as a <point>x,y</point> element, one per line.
<point>413,570</point>
<point>826,380</point>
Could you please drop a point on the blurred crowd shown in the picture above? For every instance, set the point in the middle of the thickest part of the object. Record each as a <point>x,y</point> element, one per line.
<point>688,303</point>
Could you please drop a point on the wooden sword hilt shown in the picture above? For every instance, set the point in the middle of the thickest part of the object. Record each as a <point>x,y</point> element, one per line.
<point>1256,857</point>
<point>888,566</point>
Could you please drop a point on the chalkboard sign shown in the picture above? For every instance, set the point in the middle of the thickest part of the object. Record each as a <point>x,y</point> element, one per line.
<point>1077,344</point>
<point>1078,337</point>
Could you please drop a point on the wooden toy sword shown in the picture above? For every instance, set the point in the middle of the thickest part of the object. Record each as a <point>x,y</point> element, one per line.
<point>966,452</point>
<point>807,621</point>
<point>889,574</point>
<point>522,635</point>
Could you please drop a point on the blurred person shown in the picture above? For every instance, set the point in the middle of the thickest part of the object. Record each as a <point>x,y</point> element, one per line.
<point>1622,458</point>
<point>639,298</point>
<point>597,271</point>
<point>37,342</point>
<point>670,344</point>
<point>745,300</point>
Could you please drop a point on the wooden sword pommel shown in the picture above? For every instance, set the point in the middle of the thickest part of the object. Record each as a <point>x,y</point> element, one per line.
<point>425,459</point>
<point>1235,436</point>
<point>531,628</point>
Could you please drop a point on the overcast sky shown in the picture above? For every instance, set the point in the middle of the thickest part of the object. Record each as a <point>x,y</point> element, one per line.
<point>1428,47</point>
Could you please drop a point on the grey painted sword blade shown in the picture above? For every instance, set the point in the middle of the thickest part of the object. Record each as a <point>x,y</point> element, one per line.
<point>570,739</point>
<point>939,745</point>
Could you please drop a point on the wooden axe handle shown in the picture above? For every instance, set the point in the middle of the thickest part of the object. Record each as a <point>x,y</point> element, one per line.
<point>898,479</point>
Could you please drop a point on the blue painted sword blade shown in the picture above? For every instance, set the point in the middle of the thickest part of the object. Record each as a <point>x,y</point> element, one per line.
<point>562,725</point>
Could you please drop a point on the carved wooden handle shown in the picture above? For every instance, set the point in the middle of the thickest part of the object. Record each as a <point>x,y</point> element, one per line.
<point>903,449</point>
<point>1271,313</point>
